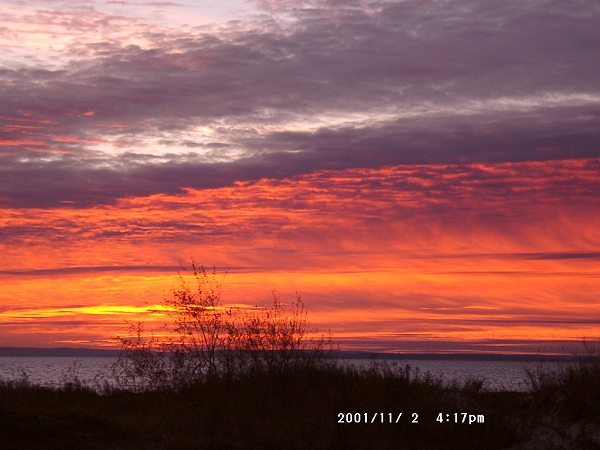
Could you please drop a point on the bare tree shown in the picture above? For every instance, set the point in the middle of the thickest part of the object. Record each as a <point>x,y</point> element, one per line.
<point>202,325</point>
<point>206,338</point>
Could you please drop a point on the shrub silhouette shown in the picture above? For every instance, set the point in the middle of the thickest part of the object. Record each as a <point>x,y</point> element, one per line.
<point>206,338</point>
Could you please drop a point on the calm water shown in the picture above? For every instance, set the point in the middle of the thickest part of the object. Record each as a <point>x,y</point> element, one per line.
<point>55,371</point>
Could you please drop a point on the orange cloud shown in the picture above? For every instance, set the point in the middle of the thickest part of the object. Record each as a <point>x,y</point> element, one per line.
<point>441,253</point>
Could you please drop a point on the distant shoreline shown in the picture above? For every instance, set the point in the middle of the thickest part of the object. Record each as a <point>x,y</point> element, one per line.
<point>93,352</point>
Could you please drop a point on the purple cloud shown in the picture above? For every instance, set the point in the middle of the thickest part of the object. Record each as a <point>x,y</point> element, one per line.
<point>363,84</point>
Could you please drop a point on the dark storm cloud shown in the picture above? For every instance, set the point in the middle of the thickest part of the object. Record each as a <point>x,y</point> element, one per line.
<point>455,81</point>
<point>555,133</point>
<point>72,182</point>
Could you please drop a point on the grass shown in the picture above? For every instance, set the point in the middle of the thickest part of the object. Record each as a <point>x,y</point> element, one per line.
<point>298,408</point>
<point>571,393</point>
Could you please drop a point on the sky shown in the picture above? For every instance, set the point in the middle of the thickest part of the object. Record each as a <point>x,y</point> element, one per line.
<point>426,174</point>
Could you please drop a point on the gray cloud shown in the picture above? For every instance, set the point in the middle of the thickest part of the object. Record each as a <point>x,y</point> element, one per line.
<point>413,82</point>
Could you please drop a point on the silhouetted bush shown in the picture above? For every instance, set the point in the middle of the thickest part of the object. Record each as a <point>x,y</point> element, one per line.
<point>206,338</point>
<point>572,389</point>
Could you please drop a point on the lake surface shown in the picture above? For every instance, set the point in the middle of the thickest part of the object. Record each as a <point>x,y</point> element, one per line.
<point>56,370</point>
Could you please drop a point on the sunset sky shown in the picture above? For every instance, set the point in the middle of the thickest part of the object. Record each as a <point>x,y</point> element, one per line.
<point>426,174</point>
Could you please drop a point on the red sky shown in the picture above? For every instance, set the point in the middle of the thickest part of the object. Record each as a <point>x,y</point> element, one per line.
<point>402,257</point>
<point>423,190</point>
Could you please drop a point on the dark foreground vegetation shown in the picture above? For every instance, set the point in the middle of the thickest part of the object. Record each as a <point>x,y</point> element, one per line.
<point>299,408</point>
<point>258,378</point>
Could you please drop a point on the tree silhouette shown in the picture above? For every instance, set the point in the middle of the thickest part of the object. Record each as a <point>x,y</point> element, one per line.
<point>206,338</point>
